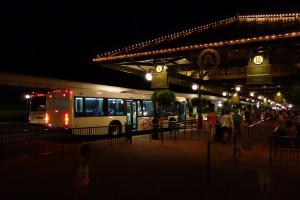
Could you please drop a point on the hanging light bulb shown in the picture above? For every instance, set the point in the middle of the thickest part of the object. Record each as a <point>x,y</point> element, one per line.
<point>194,86</point>
<point>149,76</point>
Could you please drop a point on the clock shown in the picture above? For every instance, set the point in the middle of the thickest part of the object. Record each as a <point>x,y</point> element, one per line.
<point>258,60</point>
<point>158,68</point>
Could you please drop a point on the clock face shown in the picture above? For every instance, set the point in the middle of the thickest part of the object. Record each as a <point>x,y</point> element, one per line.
<point>159,68</point>
<point>258,60</point>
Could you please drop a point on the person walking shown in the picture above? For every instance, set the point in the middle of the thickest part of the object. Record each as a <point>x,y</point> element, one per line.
<point>212,119</point>
<point>84,168</point>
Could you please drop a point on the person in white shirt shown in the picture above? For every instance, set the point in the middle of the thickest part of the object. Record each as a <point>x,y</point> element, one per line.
<point>227,126</point>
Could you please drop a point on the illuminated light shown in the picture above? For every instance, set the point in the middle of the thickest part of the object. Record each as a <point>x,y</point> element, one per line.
<point>238,88</point>
<point>194,87</point>
<point>220,104</point>
<point>278,93</point>
<point>149,76</point>
<point>224,94</point>
<point>66,119</point>
<point>47,118</point>
<point>258,60</point>
<point>202,28</point>
<point>159,68</point>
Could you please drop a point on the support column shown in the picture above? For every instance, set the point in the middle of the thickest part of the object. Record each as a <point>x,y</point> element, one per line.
<point>200,117</point>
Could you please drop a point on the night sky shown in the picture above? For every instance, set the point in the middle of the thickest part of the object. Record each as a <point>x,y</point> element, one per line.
<point>60,39</point>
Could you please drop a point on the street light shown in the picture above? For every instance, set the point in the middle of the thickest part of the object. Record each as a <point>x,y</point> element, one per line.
<point>200,117</point>
<point>149,76</point>
<point>27,96</point>
<point>194,87</point>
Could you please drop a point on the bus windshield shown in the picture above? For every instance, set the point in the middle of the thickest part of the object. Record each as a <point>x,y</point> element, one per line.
<point>38,103</point>
<point>37,110</point>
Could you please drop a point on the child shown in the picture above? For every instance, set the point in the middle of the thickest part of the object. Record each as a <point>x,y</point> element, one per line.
<point>82,176</point>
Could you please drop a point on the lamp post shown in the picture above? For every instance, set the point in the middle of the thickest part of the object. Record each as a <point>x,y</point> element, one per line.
<point>27,96</point>
<point>199,107</point>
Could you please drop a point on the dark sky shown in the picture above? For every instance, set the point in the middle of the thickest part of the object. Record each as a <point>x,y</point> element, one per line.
<point>59,38</point>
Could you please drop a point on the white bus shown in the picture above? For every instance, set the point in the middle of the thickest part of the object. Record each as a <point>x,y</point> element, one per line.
<point>79,108</point>
<point>37,108</point>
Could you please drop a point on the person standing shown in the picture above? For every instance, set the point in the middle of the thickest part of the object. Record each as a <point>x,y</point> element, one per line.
<point>247,117</point>
<point>237,120</point>
<point>227,126</point>
<point>212,119</point>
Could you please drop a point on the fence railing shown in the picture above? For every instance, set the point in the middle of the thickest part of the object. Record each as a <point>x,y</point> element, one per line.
<point>258,131</point>
<point>25,144</point>
<point>174,127</point>
<point>285,151</point>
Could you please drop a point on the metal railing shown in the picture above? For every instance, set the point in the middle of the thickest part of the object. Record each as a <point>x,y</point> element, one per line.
<point>257,132</point>
<point>174,128</point>
<point>25,144</point>
<point>284,151</point>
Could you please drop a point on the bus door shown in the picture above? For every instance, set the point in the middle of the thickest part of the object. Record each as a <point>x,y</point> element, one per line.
<point>131,118</point>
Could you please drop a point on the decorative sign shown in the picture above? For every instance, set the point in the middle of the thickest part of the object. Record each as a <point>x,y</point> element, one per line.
<point>159,80</point>
<point>258,73</point>
<point>235,99</point>
<point>278,98</point>
<point>208,59</point>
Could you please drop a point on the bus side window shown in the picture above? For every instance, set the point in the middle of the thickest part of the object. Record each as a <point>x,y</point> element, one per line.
<point>139,107</point>
<point>115,107</point>
<point>96,112</point>
<point>148,109</point>
<point>93,106</point>
<point>78,106</point>
<point>119,107</point>
<point>100,107</point>
<point>111,112</point>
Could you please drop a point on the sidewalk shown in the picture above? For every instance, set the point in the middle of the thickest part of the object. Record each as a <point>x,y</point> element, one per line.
<point>150,170</point>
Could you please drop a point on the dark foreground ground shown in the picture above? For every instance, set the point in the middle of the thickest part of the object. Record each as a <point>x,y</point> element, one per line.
<point>149,170</point>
